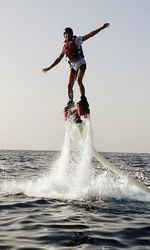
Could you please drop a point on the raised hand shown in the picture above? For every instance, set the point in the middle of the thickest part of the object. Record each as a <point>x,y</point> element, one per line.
<point>106,25</point>
<point>45,70</point>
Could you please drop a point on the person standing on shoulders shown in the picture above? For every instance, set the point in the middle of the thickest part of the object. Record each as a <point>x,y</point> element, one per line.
<point>72,49</point>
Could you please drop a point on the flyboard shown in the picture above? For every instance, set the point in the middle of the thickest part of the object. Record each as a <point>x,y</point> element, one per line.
<point>75,114</point>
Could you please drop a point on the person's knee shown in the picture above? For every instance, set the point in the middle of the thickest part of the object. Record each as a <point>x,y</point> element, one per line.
<point>79,81</point>
<point>70,85</point>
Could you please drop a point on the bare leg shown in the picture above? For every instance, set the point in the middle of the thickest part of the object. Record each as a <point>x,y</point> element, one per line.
<point>72,78</point>
<point>80,76</point>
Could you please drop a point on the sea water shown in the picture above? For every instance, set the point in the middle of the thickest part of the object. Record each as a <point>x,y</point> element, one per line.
<point>68,200</point>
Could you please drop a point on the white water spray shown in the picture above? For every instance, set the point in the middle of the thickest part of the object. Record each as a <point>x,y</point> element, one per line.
<point>72,172</point>
<point>82,175</point>
<point>61,167</point>
<point>73,175</point>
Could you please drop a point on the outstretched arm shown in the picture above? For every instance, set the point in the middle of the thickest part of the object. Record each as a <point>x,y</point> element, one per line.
<point>94,32</point>
<point>54,63</point>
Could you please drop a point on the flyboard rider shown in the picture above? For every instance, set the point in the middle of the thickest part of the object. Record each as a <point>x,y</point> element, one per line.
<point>72,48</point>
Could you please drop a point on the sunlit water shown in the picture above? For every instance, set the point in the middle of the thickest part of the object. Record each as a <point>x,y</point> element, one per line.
<point>63,200</point>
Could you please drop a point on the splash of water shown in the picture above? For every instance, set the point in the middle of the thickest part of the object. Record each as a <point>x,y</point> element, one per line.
<point>73,175</point>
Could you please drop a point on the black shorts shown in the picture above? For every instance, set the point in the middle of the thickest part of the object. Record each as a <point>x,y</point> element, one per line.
<point>82,67</point>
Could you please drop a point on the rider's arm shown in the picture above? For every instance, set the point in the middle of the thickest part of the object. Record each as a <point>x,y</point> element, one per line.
<point>54,63</point>
<point>94,32</point>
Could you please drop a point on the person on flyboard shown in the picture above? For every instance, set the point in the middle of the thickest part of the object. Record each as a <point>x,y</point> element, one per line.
<point>72,48</point>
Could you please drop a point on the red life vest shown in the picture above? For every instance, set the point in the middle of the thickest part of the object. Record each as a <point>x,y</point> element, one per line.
<point>72,51</point>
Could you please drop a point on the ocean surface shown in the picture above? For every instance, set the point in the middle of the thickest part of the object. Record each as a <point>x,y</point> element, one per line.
<point>68,200</point>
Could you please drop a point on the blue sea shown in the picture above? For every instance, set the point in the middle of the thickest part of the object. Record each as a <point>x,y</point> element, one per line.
<point>68,200</point>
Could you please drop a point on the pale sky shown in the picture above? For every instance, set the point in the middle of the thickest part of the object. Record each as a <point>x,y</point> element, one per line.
<point>117,79</point>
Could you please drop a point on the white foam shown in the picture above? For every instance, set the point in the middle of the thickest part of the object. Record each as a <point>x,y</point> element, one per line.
<point>73,175</point>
